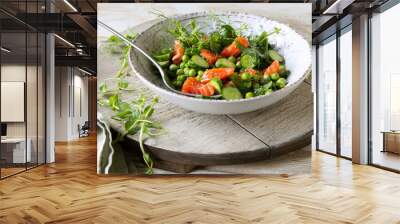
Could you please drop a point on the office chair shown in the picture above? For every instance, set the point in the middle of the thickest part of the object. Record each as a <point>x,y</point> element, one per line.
<point>84,130</point>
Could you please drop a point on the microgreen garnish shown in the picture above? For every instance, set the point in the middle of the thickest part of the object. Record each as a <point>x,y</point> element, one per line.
<point>135,116</point>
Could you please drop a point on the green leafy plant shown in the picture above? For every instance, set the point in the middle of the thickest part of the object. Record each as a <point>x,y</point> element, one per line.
<point>135,116</point>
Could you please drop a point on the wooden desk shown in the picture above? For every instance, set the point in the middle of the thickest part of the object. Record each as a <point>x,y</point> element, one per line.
<point>391,141</point>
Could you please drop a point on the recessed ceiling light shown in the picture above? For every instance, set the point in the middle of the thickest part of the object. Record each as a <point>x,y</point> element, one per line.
<point>64,40</point>
<point>70,5</point>
<point>84,71</point>
<point>5,50</point>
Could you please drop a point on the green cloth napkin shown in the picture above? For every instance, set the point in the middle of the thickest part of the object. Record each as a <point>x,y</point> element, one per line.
<point>110,156</point>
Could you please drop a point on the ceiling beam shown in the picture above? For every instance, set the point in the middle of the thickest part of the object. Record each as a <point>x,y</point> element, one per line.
<point>337,7</point>
<point>320,22</point>
<point>88,29</point>
<point>49,22</point>
<point>78,61</point>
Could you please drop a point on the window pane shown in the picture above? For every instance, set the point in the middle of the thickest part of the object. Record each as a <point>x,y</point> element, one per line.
<point>345,94</point>
<point>385,84</point>
<point>327,96</point>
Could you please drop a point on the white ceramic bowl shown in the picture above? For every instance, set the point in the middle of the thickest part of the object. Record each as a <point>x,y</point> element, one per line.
<point>292,46</point>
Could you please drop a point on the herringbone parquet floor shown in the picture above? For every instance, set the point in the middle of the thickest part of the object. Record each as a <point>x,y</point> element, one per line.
<point>69,191</point>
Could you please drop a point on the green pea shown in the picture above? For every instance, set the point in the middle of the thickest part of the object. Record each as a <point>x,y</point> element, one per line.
<point>200,72</point>
<point>266,79</point>
<point>232,59</point>
<point>191,64</point>
<point>179,71</point>
<point>179,83</point>
<point>182,65</point>
<point>173,67</point>
<point>274,76</point>
<point>186,71</point>
<point>192,72</point>
<point>247,84</point>
<point>199,77</point>
<point>185,58</point>
<point>181,78</point>
<point>245,76</point>
<point>280,83</point>
<point>249,95</point>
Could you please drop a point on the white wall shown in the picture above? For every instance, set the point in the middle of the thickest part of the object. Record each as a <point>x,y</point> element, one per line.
<point>79,117</point>
<point>61,103</point>
<point>70,83</point>
<point>15,72</point>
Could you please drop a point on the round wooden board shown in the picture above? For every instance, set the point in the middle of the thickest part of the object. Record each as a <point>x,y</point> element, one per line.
<point>200,139</point>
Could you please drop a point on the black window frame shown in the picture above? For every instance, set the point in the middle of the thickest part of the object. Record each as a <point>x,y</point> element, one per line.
<point>342,26</point>
<point>30,29</point>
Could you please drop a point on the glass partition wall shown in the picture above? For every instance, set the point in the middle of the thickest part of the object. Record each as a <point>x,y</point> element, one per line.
<point>13,85</point>
<point>385,90</point>
<point>334,93</point>
<point>22,77</point>
<point>334,84</point>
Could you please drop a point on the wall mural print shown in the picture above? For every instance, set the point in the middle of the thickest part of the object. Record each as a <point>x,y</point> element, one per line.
<point>204,88</point>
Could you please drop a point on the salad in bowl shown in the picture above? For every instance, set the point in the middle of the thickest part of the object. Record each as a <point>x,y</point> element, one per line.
<point>224,62</point>
<point>233,62</point>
